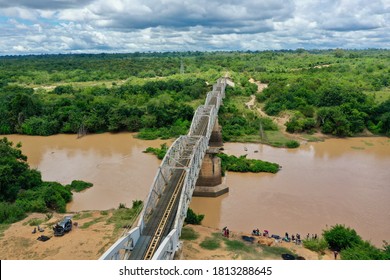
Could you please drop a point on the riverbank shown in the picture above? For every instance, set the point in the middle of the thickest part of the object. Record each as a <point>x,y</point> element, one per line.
<point>87,241</point>
<point>94,234</point>
<point>210,244</point>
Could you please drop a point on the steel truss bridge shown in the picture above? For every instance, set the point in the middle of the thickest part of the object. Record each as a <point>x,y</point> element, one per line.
<point>156,237</point>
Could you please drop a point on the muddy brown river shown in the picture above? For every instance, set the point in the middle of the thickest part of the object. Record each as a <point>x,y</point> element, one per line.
<point>339,181</point>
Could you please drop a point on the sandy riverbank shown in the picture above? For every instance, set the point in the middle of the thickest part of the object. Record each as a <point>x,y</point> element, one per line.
<point>94,235</point>
<point>19,243</point>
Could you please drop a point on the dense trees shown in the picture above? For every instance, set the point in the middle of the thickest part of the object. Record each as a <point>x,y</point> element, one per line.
<point>342,91</point>
<point>153,105</point>
<point>348,243</point>
<point>351,246</point>
<point>342,110</point>
<point>15,174</point>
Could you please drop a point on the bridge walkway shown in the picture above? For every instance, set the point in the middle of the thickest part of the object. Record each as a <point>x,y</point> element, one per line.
<point>166,208</point>
<point>157,234</point>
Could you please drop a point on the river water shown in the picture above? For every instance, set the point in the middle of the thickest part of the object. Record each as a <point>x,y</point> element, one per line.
<point>114,163</point>
<point>339,181</point>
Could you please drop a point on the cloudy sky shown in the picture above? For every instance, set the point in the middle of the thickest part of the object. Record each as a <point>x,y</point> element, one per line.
<point>95,26</point>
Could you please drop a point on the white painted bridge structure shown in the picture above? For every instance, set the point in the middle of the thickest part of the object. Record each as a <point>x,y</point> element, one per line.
<point>156,236</point>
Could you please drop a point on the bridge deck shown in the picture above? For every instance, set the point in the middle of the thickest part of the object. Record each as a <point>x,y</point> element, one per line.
<point>175,184</point>
<point>160,224</point>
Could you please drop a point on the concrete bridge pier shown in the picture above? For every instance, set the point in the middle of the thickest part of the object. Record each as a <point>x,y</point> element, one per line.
<point>216,136</point>
<point>210,182</point>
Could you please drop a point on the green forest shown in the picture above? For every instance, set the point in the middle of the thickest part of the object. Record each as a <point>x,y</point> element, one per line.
<point>337,92</point>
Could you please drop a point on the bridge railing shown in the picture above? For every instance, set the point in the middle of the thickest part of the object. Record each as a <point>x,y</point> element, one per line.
<point>202,111</point>
<point>168,246</point>
<point>122,248</point>
<point>170,161</point>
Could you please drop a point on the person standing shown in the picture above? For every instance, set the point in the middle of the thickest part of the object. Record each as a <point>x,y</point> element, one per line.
<point>335,254</point>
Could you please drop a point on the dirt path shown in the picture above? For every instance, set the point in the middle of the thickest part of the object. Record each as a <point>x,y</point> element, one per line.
<point>283,118</point>
<point>251,102</point>
<point>280,121</point>
<point>260,86</point>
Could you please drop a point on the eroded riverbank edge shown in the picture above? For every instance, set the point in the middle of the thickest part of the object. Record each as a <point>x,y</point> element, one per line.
<point>94,235</point>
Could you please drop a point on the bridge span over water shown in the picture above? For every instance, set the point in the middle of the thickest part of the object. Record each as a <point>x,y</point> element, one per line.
<point>156,236</point>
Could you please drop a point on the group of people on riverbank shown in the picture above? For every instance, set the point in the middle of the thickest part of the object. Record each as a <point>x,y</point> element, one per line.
<point>295,238</point>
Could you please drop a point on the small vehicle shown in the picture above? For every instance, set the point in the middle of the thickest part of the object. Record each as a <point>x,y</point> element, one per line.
<point>64,226</point>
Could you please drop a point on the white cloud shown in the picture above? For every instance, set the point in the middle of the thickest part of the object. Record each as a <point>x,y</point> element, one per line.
<point>165,25</point>
<point>20,48</point>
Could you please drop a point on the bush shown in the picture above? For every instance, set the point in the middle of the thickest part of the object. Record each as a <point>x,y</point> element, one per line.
<point>316,245</point>
<point>193,218</point>
<point>54,195</point>
<point>340,237</point>
<point>242,164</point>
<point>268,124</point>
<point>137,204</point>
<point>292,144</point>
<point>122,206</point>
<point>362,251</point>
<point>79,186</point>
<point>10,213</point>
<point>43,126</point>
<point>34,222</point>
<point>159,152</point>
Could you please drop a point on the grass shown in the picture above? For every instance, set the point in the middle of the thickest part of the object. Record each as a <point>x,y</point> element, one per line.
<point>210,243</point>
<point>316,245</point>
<point>380,96</point>
<point>34,222</point>
<point>275,251</point>
<point>3,227</point>
<point>90,223</point>
<point>236,245</point>
<point>79,85</point>
<point>188,234</point>
<point>82,215</point>
<point>245,139</point>
<point>276,138</point>
<point>124,217</point>
<point>239,101</point>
